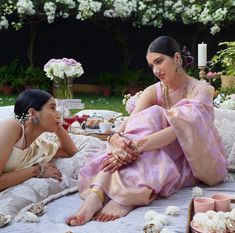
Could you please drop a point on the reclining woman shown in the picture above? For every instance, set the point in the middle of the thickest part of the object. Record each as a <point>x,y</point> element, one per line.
<point>23,155</point>
<point>168,142</point>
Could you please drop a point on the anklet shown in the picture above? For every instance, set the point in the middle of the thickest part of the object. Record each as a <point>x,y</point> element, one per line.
<point>99,194</point>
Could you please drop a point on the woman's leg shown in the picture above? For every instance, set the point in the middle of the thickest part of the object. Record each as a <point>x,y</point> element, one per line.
<point>93,203</point>
<point>111,211</point>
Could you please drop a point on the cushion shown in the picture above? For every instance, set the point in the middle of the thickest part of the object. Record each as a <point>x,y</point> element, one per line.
<point>226,129</point>
<point>6,112</point>
<point>106,114</point>
<point>35,190</point>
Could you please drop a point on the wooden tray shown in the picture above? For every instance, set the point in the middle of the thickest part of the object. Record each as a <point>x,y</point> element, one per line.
<point>191,214</point>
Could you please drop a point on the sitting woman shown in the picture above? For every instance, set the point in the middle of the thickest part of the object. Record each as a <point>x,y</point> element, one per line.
<point>23,155</point>
<point>169,142</point>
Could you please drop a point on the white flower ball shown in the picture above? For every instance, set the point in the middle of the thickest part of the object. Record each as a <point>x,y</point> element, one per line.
<point>172,210</point>
<point>150,215</point>
<point>197,192</point>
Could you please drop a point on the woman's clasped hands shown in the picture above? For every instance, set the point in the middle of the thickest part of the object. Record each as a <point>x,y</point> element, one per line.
<point>123,151</point>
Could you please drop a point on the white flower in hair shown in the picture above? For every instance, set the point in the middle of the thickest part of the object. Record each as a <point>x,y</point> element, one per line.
<point>197,192</point>
<point>172,210</point>
<point>150,215</point>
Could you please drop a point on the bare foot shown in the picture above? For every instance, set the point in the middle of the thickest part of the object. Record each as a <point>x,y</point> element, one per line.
<point>91,205</point>
<point>111,211</point>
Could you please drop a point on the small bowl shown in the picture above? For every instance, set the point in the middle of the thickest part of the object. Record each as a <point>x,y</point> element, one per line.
<point>203,204</point>
<point>222,202</point>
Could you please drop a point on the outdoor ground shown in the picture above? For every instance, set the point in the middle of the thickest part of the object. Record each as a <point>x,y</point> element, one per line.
<point>91,102</point>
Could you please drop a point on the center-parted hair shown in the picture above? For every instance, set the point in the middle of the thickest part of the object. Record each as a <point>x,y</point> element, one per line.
<point>30,98</point>
<point>165,45</point>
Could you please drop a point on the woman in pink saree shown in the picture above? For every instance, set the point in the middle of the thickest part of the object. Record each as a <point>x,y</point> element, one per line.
<point>168,142</point>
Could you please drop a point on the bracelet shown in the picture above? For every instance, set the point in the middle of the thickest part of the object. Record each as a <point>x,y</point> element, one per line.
<point>41,170</point>
<point>109,137</point>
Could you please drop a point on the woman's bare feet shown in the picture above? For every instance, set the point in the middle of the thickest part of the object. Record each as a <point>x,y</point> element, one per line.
<point>111,211</point>
<point>91,205</point>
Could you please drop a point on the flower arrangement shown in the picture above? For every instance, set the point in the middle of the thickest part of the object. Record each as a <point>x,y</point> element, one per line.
<point>62,71</point>
<point>212,221</point>
<point>130,101</point>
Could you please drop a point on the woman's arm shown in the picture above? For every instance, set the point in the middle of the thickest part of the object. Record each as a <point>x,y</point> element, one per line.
<point>67,146</point>
<point>9,135</point>
<point>158,140</point>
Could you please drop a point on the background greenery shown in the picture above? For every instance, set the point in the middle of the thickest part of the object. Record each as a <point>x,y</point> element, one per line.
<point>91,102</point>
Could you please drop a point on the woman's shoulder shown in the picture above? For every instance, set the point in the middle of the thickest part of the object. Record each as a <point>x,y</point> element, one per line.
<point>10,125</point>
<point>201,86</point>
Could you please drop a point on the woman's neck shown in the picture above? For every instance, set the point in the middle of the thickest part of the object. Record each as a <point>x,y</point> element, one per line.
<point>178,82</point>
<point>32,133</point>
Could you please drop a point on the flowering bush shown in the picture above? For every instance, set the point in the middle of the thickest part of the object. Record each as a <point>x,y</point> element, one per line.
<point>130,101</point>
<point>212,13</point>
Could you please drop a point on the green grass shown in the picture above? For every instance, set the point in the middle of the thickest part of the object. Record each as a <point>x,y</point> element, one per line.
<point>91,102</point>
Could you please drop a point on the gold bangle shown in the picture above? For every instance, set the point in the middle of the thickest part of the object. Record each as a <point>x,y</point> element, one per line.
<point>99,194</point>
<point>109,137</point>
<point>41,169</point>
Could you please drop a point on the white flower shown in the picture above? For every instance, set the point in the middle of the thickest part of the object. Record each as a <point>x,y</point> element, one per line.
<point>172,210</point>
<point>150,215</point>
<point>200,219</point>
<point>61,68</point>
<point>25,7</point>
<point>197,192</point>
<point>153,226</point>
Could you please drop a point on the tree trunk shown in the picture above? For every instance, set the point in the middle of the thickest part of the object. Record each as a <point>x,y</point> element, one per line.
<point>32,37</point>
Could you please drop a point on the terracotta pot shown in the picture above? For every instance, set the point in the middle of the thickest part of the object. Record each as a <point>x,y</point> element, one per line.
<point>7,89</point>
<point>107,91</point>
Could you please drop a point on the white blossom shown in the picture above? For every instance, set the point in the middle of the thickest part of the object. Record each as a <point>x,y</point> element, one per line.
<point>172,210</point>
<point>150,215</point>
<point>3,23</point>
<point>25,7</point>
<point>197,192</point>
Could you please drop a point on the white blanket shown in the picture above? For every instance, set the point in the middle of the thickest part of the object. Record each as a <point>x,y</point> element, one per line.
<point>53,221</point>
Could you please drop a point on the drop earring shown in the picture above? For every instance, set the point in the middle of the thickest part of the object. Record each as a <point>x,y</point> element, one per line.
<point>35,120</point>
<point>179,65</point>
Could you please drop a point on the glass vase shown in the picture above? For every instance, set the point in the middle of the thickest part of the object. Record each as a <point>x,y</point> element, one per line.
<point>63,88</point>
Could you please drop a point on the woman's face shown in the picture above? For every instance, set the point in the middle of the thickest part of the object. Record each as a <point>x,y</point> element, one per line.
<point>163,66</point>
<point>48,116</point>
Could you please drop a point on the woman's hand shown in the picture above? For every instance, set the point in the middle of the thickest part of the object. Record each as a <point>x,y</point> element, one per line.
<point>117,157</point>
<point>123,143</point>
<point>49,170</point>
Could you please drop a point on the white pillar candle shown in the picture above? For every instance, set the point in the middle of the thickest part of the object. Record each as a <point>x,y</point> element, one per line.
<point>202,54</point>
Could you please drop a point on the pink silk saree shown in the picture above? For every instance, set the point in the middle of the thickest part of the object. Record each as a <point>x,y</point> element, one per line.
<point>197,154</point>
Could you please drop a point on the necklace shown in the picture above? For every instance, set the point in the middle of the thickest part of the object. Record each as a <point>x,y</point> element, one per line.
<point>167,103</point>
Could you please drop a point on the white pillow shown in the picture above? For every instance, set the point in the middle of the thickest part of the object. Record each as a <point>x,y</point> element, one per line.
<point>6,112</point>
<point>226,129</point>
<point>222,113</point>
<point>106,114</point>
